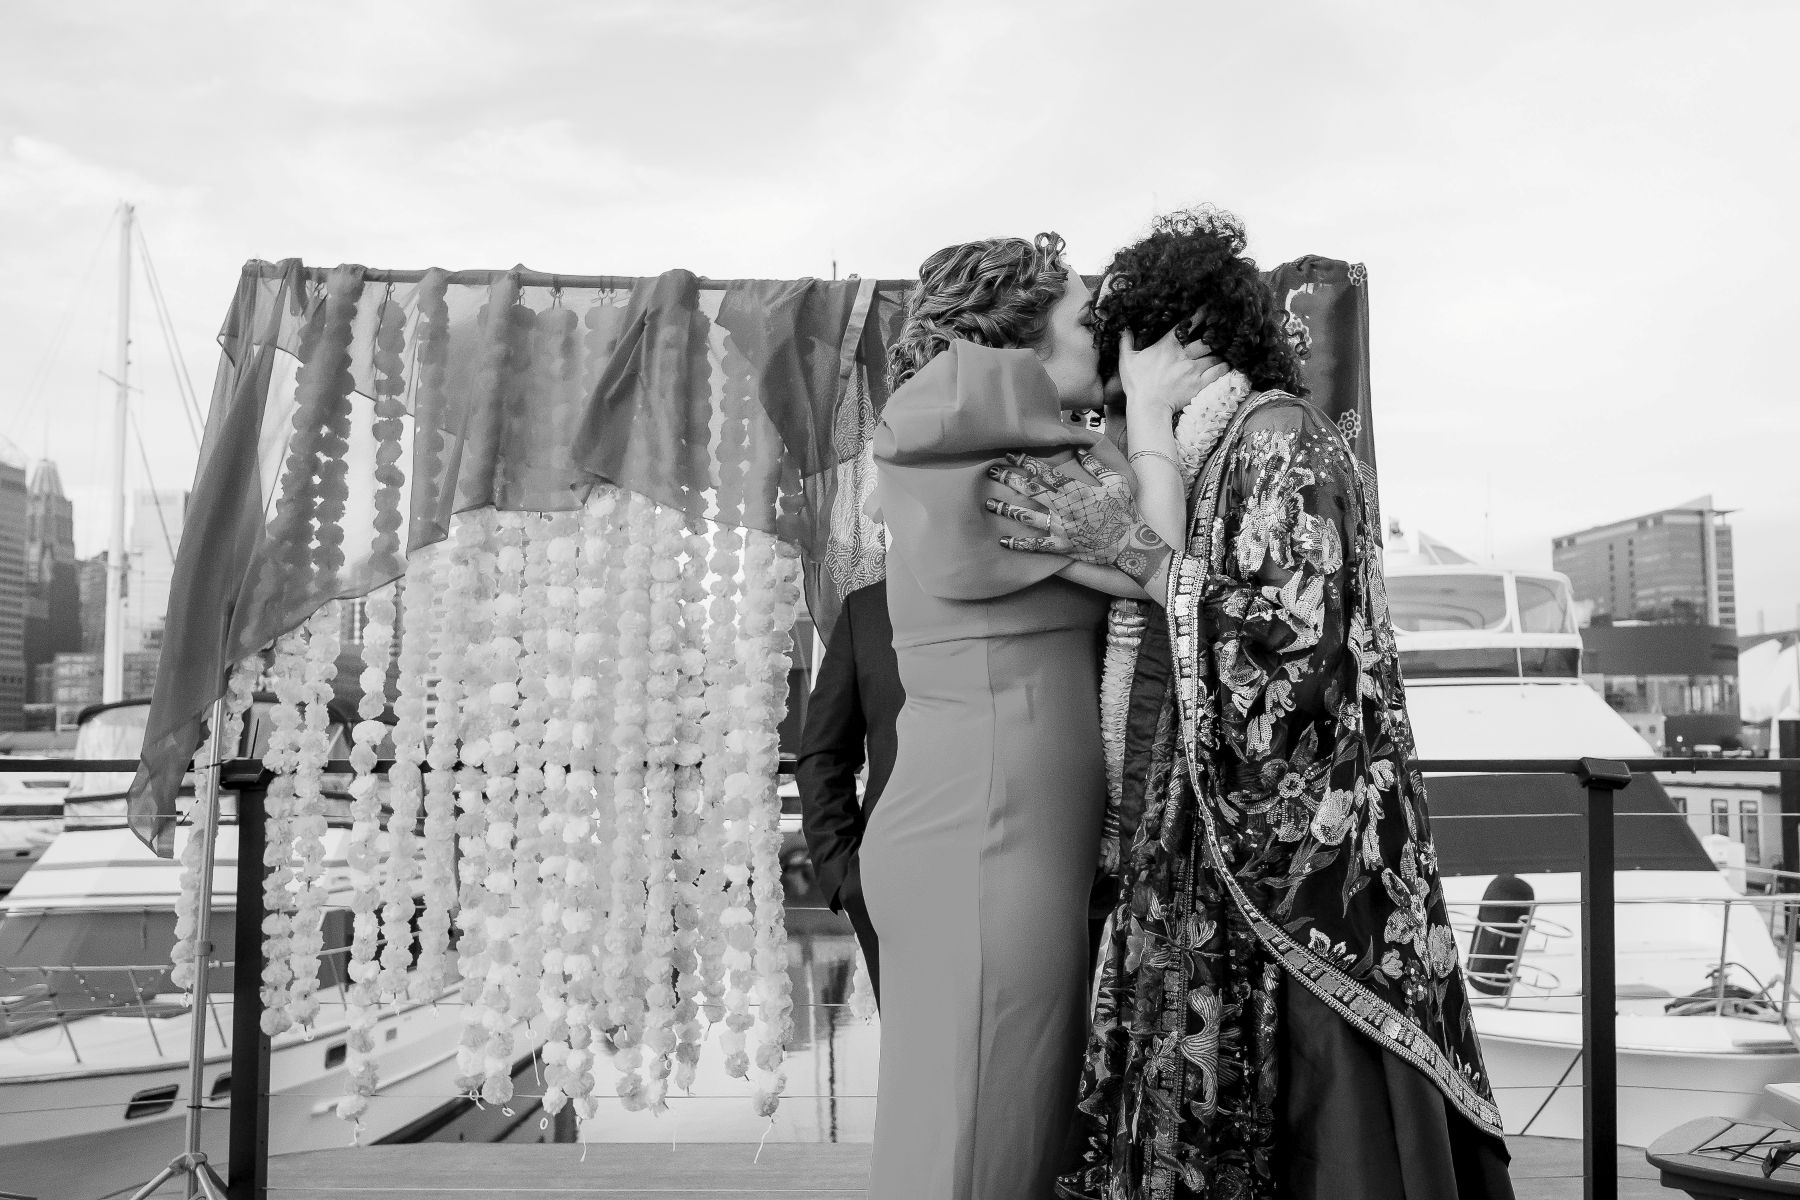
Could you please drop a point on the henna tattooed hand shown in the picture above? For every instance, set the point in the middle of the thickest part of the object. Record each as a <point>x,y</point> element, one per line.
<point>1092,522</point>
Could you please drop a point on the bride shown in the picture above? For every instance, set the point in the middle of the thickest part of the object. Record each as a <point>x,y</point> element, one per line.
<point>977,865</point>
<point>1280,1010</point>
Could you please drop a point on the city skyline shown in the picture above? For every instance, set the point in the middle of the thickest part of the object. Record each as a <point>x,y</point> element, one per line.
<point>1566,240</point>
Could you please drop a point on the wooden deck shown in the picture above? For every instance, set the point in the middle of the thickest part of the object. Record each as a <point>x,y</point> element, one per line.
<point>1543,1169</point>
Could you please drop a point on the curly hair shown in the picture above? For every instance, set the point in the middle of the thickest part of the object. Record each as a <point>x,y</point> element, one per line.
<point>997,292</point>
<point>1191,275</point>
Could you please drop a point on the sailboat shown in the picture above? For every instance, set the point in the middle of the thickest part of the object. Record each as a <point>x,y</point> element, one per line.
<point>95,1039</point>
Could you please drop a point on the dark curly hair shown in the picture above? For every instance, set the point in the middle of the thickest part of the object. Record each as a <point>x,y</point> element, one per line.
<point>1191,275</point>
<point>997,292</point>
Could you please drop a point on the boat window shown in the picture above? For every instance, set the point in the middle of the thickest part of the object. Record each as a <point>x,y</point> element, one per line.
<point>1545,605</point>
<point>1490,663</point>
<point>1447,603</point>
<point>71,964</point>
<point>1550,662</point>
<point>110,733</point>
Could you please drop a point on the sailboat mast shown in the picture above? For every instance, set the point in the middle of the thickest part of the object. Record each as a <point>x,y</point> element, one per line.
<point>113,680</point>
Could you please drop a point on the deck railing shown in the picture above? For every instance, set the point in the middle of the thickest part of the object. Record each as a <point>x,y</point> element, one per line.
<point>1602,779</point>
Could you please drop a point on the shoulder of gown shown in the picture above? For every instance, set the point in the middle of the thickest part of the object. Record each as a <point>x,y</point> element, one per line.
<point>938,435</point>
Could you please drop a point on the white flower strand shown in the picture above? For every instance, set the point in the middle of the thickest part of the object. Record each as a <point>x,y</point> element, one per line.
<point>473,820</point>
<point>662,729</point>
<point>721,766</point>
<point>576,1006</point>
<point>458,582</point>
<point>543,755</point>
<point>420,609</point>
<point>364,858</point>
<point>693,829</point>
<point>568,793</point>
<point>220,747</point>
<point>623,968</point>
<point>285,719</point>
<point>497,958</point>
<point>772,593</point>
<point>309,827</point>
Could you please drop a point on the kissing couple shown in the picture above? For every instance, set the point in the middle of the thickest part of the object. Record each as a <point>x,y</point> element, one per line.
<point>1162,653</point>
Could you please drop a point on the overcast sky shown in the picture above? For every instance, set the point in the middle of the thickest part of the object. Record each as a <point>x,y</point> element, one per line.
<point>1578,218</point>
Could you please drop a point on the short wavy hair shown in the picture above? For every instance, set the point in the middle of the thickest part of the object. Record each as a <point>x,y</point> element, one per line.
<point>1191,274</point>
<point>997,292</point>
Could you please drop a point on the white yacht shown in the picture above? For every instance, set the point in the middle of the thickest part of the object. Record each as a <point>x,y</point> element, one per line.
<point>94,1037</point>
<point>1492,660</point>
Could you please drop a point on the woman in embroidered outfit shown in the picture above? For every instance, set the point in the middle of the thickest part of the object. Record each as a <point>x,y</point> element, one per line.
<point>1279,1011</point>
<point>977,865</point>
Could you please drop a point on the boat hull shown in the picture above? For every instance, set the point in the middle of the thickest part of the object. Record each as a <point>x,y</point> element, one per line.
<point>1534,1062</point>
<point>67,1137</point>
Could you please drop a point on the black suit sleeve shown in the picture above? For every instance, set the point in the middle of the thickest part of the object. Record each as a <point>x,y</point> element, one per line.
<point>831,754</point>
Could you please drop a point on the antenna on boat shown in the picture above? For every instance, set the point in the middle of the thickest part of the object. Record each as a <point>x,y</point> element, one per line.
<point>1487,519</point>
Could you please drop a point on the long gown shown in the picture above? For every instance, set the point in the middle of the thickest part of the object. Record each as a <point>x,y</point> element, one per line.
<point>977,866</point>
<point>1280,1011</point>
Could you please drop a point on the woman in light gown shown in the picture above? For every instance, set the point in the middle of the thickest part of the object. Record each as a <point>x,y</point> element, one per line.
<point>978,863</point>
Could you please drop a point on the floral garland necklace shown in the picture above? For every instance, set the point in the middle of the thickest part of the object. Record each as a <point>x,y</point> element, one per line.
<point>1203,422</point>
<point>1197,432</point>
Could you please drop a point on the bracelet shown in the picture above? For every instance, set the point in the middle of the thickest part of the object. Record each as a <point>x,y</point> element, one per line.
<point>1162,454</point>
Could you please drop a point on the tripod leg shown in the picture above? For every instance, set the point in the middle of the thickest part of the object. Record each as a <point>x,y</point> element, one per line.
<point>210,1185</point>
<point>163,1176</point>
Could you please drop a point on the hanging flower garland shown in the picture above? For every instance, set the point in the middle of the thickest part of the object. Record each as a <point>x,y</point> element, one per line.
<point>575,1005</point>
<point>722,759</point>
<point>541,753</point>
<point>728,953</point>
<point>693,827</point>
<point>494,961</point>
<point>285,719</point>
<point>307,822</point>
<point>405,780</point>
<point>459,581</point>
<point>568,798</point>
<point>482,733</point>
<point>772,593</point>
<point>623,968</point>
<point>363,856</point>
<point>220,747</point>
<point>387,428</point>
<point>662,733</point>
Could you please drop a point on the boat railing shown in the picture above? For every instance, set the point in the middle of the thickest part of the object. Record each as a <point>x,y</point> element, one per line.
<point>1601,780</point>
<point>1531,931</point>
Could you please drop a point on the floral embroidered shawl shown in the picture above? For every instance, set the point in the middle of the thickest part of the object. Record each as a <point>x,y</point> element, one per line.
<point>1266,817</point>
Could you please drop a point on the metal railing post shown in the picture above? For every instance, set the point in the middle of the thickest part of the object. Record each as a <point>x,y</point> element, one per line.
<point>248,1174</point>
<point>1599,974</point>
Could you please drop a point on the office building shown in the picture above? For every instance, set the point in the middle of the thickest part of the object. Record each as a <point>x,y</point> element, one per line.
<point>14,522</point>
<point>1668,567</point>
<point>1658,600</point>
<point>52,578</point>
<point>92,574</point>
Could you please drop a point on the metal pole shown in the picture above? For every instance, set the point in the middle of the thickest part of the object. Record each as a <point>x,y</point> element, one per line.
<point>248,1165</point>
<point>1724,957</point>
<point>1599,973</point>
<point>208,833</point>
<point>112,686</point>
